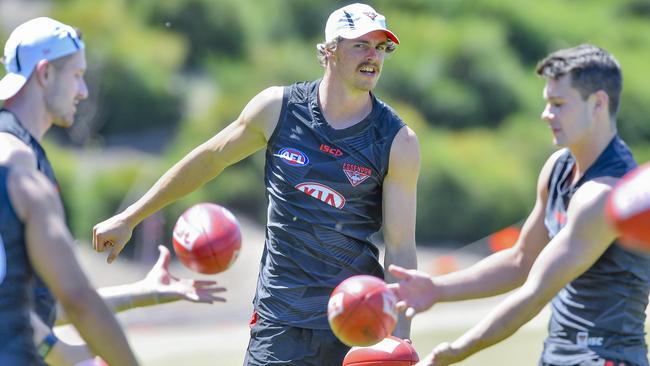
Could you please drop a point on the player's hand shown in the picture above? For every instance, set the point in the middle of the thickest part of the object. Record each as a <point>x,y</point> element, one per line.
<point>168,288</point>
<point>113,233</point>
<point>415,291</point>
<point>442,355</point>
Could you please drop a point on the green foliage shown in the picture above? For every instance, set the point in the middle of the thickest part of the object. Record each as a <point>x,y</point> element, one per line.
<point>472,185</point>
<point>211,28</point>
<point>463,79</point>
<point>131,67</point>
<point>470,78</point>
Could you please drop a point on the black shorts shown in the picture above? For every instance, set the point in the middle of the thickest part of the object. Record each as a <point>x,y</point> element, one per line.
<point>278,344</point>
<point>595,362</point>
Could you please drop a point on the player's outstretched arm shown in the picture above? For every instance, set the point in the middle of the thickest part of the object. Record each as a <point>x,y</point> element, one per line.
<point>399,206</point>
<point>570,253</point>
<point>158,287</point>
<point>247,134</point>
<point>496,274</point>
<point>49,246</point>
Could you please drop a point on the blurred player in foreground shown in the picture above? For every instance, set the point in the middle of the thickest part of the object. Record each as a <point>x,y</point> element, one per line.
<point>567,252</point>
<point>45,62</point>
<point>340,165</point>
<point>35,239</point>
<point>158,287</point>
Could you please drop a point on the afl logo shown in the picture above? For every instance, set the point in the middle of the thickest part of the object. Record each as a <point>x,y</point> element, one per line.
<point>322,193</point>
<point>293,156</point>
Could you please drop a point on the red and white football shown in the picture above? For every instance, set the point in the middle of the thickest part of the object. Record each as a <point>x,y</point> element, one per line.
<point>207,238</point>
<point>391,351</point>
<point>361,310</point>
<point>628,208</point>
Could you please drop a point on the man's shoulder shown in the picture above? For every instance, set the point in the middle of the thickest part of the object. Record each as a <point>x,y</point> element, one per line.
<point>592,195</point>
<point>14,152</point>
<point>301,91</point>
<point>30,186</point>
<point>387,112</point>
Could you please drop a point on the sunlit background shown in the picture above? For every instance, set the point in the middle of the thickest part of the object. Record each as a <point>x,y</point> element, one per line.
<point>165,75</point>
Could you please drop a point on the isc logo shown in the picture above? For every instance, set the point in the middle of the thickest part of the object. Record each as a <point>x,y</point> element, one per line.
<point>322,193</point>
<point>331,150</point>
<point>293,156</point>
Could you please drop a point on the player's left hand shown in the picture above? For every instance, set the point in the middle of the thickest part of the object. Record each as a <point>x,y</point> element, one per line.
<point>442,355</point>
<point>169,288</point>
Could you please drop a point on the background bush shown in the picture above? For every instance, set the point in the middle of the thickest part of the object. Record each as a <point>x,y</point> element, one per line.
<point>166,75</point>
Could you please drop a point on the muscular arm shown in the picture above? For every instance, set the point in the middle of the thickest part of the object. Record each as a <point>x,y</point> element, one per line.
<point>494,275</point>
<point>399,207</point>
<point>14,153</point>
<point>507,269</point>
<point>48,244</point>
<point>158,287</point>
<point>247,134</point>
<point>572,251</point>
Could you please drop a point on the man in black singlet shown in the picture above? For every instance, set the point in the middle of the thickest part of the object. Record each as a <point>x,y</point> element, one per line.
<point>567,252</point>
<point>32,229</point>
<point>340,166</point>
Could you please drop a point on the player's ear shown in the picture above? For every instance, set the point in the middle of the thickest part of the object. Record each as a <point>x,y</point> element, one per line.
<point>600,102</point>
<point>43,72</point>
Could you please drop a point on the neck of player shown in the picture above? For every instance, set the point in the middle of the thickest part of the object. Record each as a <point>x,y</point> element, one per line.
<point>343,107</point>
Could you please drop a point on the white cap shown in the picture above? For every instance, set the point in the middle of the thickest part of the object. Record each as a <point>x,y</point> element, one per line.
<point>355,20</point>
<point>35,40</point>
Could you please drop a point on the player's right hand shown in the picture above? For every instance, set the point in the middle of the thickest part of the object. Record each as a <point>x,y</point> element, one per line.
<point>113,233</point>
<point>415,291</point>
<point>443,354</point>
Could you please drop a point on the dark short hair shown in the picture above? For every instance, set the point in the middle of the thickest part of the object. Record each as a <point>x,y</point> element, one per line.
<point>591,69</point>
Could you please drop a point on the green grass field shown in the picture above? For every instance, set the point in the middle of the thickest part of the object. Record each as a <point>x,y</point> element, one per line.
<point>521,349</point>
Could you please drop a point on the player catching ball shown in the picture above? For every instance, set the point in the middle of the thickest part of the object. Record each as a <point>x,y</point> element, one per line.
<point>567,252</point>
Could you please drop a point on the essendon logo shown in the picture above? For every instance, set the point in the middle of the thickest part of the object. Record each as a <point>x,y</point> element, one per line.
<point>322,193</point>
<point>356,174</point>
<point>293,156</point>
<point>370,15</point>
<point>331,150</point>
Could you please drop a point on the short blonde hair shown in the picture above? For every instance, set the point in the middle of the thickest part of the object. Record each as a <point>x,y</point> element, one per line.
<point>323,48</point>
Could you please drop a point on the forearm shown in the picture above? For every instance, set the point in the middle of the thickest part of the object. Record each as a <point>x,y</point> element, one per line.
<point>494,275</point>
<point>501,323</point>
<point>96,324</point>
<point>405,257</point>
<point>134,295</point>
<point>120,298</point>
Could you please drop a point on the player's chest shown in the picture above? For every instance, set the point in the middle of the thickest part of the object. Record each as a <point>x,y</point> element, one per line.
<point>331,170</point>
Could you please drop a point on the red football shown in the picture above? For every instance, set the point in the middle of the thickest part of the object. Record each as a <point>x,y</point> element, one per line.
<point>207,238</point>
<point>391,351</point>
<point>361,310</point>
<point>628,208</point>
